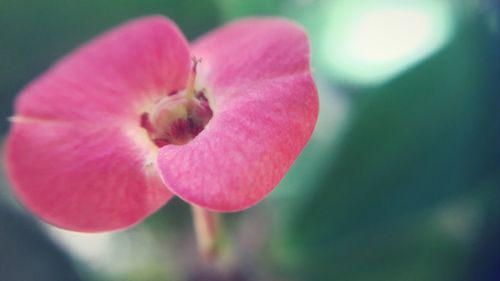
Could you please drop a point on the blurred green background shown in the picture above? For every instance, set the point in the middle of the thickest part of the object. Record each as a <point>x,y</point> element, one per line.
<point>400,180</point>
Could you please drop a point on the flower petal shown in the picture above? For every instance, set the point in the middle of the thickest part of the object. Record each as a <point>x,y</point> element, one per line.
<point>82,177</point>
<point>251,50</point>
<point>257,77</point>
<point>113,75</point>
<point>76,154</point>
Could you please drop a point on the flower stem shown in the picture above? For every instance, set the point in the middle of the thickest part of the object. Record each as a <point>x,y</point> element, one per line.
<point>207,229</point>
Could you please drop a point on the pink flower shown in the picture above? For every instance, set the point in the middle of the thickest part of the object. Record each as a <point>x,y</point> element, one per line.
<point>111,132</point>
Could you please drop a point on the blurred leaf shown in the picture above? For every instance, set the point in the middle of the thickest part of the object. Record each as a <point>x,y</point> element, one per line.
<point>414,144</point>
<point>484,266</point>
<point>27,254</point>
<point>232,9</point>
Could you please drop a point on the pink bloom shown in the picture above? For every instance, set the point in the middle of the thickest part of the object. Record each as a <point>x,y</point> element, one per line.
<point>111,132</point>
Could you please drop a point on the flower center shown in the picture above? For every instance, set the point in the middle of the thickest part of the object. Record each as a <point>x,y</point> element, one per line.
<point>178,117</point>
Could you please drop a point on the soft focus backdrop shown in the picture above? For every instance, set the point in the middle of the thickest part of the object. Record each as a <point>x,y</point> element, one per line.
<point>399,182</point>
